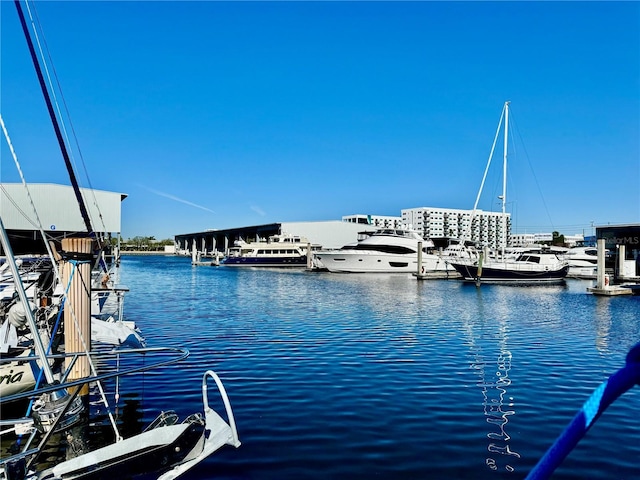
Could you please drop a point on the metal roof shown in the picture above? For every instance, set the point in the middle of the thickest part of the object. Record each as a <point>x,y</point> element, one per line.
<point>57,209</point>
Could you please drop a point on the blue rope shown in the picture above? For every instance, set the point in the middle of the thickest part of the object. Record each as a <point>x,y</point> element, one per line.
<point>602,397</point>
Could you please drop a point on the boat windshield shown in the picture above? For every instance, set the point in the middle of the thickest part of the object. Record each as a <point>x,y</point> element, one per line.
<point>396,233</point>
<point>528,258</point>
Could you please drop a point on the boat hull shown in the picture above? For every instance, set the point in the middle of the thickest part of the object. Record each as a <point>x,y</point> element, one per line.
<point>266,262</point>
<point>586,272</point>
<point>17,377</point>
<point>498,274</point>
<point>140,455</point>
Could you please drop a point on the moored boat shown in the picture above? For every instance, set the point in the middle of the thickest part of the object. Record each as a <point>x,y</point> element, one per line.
<point>387,250</point>
<point>277,251</point>
<point>583,262</point>
<point>539,267</point>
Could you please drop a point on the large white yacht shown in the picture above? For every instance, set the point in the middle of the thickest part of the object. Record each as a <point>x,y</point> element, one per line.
<point>388,250</point>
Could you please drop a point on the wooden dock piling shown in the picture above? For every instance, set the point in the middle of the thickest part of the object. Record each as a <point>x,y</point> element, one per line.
<point>76,276</point>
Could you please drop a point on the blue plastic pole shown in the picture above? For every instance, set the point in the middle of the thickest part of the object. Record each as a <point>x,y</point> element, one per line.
<point>602,397</point>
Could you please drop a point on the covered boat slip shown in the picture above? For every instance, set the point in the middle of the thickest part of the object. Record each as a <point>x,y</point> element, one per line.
<point>618,274</point>
<point>623,242</point>
<point>328,234</point>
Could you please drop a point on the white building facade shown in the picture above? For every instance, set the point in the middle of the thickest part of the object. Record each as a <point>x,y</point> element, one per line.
<point>484,228</point>
<point>378,221</point>
<point>527,239</point>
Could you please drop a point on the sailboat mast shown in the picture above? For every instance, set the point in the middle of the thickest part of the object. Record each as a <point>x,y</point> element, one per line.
<point>504,177</point>
<point>54,120</point>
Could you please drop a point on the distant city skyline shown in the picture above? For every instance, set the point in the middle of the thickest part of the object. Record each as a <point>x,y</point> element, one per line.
<point>214,115</point>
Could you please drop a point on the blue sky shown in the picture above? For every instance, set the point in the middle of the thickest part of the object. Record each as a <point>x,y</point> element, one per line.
<point>227,114</point>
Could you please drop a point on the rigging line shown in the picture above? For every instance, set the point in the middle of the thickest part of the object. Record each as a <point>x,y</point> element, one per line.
<point>526,154</point>
<point>46,236</point>
<point>24,182</point>
<point>493,146</point>
<point>74,264</point>
<point>55,100</point>
<point>54,120</point>
<point>17,207</point>
<point>56,271</point>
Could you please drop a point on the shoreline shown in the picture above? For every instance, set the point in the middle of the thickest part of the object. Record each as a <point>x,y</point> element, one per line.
<point>145,252</point>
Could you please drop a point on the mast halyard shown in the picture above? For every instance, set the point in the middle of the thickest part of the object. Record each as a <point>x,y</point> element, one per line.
<point>503,116</point>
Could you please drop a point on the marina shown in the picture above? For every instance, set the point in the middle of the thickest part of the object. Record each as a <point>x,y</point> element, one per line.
<point>338,362</point>
<point>360,376</point>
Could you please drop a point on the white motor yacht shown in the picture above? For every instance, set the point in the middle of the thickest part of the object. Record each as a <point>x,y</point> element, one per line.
<point>388,250</point>
<point>278,251</point>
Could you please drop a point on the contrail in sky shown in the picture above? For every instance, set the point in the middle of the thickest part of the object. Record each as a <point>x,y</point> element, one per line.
<point>173,197</point>
<point>258,210</point>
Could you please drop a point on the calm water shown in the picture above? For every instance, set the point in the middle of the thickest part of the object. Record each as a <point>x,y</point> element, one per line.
<point>338,376</point>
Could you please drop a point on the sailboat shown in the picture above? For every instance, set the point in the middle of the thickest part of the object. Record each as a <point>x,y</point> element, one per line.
<point>539,266</point>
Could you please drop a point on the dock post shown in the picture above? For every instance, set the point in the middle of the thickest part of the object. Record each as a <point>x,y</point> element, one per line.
<point>479,275</point>
<point>622,253</point>
<point>419,272</point>
<point>76,275</point>
<point>600,266</point>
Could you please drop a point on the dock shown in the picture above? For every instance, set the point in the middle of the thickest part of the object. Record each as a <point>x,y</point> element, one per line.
<point>198,261</point>
<point>437,275</point>
<point>610,290</point>
<point>603,286</point>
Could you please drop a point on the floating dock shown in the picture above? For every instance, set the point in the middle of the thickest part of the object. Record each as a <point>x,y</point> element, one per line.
<point>610,290</point>
<point>603,286</point>
<point>437,275</point>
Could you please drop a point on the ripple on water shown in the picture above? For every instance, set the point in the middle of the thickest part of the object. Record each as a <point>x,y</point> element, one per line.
<point>358,376</point>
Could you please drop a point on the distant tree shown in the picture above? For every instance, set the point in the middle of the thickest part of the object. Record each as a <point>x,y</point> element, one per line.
<point>557,239</point>
<point>145,243</point>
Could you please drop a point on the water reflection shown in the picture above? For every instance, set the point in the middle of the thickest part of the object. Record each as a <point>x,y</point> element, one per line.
<point>497,408</point>
<point>602,323</point>
<point>494,381</point>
